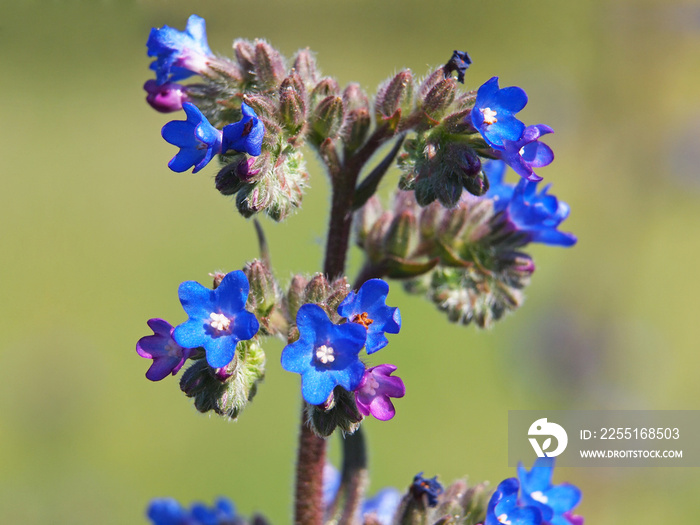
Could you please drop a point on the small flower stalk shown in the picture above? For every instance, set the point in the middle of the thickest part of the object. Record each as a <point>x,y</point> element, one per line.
<point>455,231</point>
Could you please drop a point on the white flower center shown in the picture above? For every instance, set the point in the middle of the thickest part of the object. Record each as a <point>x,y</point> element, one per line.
<point>538,496</point>
<point>325,354</point>
<point>371,386</point>
<point>489,116</point>
<point>503,518</point>
<point>219,322</point>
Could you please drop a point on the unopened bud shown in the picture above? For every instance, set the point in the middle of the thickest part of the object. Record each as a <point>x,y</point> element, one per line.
<point>245,55</point>
<point>395,94</point>
<point>292,103</point>
<point>228,180</point>
<point>439,98</point>
<point>327,119</point>
<point>365,217</point>
<point>296,295</point>
<point>228,390</point>
<point>327,87</point>
<point>305,66</point>
<point>317,290</point>
<point>263,295</point>
<point>374,244</point>
<point>402,235</point>
<point>165,98</point>
<point>354,97</point>
<point>269,66</point>
<point>341,413</point>
<point>356,128</point>
<point>476,185</point>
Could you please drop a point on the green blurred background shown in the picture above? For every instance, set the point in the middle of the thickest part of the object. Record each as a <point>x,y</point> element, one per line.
<point>98,233</point>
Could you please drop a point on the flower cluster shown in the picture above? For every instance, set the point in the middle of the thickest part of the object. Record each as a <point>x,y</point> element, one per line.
<point>493,116</point>
<point>326,355</point>
<point>539,502</point>
<point>179,55</point>
<point>537,215</point>
<point>217,322</point>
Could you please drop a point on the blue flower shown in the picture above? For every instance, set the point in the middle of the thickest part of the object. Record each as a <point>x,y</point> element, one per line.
<point>246,134</point>
<point>528,152</point>
<point>431,488</point>
<point>503,507</point>
<point>217,318</point>
<point>325,354</point>
<point>383,505</point>
<point>198,140</point>
<point>538,215</point>
<point>493,111</point>
<point>499,191</point>
<point>179,54</point>
<point>167,511</point>
<point>368,308</point>
<point>552,500</point>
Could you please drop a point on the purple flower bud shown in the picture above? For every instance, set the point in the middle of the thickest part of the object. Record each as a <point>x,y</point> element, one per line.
<point>166,98</point>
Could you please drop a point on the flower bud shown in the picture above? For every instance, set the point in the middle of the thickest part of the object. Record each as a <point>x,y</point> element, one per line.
<point>396,93</point>
<point>476,185</point>
<point>374,243</point>
<point>292,103</point>
<point>305,66</point>
<point>226,392</point>
<point>264,295</point>
<point>327,119</point>
<point>165,98</point>
<point>269,65</point>
<point>356,127</point>
<point>354,97</point>
<point>402,235</point>
<point>296,295</point>
<point>228,180</point>
<point>317,290</point>
<point>365,217</point>
<point>439,98</point>
<point>245,55</point>
<point>340,411</point>
<point>327,87</point>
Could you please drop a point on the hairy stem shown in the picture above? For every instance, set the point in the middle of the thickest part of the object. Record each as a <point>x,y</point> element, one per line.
<point>308,508</point>
<point>355,476</point>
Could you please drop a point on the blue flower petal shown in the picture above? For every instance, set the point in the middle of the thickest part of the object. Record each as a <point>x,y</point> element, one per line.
<point>317,386</point>
<point>220,349</point>
<point>232,292</point>
<point>562,498</point>
<point>198,301</point>
<point>297,356</point>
